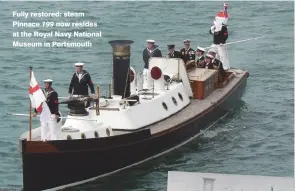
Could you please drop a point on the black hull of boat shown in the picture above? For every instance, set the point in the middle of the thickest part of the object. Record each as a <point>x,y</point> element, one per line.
<point>68,162</point>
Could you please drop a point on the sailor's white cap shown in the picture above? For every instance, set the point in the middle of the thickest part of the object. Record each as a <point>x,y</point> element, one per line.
<point>79,64</point>
<point>48,80</point>
<point>209,56</point>
<point>151,41</point>
<point>187,41</point>
<point>200,48</point>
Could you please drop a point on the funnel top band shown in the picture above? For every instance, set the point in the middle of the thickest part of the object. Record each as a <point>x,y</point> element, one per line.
<point>120,42</point>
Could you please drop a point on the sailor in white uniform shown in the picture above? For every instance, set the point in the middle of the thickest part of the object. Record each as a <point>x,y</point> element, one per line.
<point>220,35</point>
<point>49,127</point>
<point>152,50</point>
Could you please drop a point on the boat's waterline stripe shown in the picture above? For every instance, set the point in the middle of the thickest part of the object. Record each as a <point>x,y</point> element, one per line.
<point>135,164</point>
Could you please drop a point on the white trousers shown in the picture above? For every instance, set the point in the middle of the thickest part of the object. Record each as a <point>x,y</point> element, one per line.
<point>44,131</point>
<point>50,129</point>
<point>223,55</point>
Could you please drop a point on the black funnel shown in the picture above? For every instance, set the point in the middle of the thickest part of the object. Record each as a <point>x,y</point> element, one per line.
<point>121,67</point>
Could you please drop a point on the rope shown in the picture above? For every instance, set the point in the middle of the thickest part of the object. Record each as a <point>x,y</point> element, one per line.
<point>237,41</point>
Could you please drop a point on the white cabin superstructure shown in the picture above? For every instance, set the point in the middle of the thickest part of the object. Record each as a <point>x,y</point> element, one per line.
<point>162,99</point>
<point>164,91</point>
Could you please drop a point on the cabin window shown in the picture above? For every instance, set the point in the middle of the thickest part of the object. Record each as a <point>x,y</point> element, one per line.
<point>174,101</point>
<point>180,96</point>
<point>69,137</point>
<point>96,135</point>
<point>165,106</point>
<point>83,136</point>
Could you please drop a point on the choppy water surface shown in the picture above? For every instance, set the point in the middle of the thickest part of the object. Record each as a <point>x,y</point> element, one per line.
<point>255,138</point>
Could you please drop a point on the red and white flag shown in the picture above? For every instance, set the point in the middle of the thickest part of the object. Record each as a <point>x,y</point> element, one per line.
<point>38,99</point>
<point>222,16</point>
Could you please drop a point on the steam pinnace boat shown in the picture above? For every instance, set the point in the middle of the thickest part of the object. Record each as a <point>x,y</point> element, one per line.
<point>131,124</point>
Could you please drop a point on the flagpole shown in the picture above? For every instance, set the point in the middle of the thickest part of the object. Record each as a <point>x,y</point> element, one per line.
<point>30,107</point>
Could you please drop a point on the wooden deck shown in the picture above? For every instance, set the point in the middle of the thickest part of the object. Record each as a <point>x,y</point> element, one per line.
<point>195,107</point>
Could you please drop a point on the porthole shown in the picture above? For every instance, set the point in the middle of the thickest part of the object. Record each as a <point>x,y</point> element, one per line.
<point>69,137</point>
<point>165,106</point>
<point>174,100</point>
<point>180,96</point>
<point>83,136</point>
<point>96,134</point>
<point>108,132</point>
